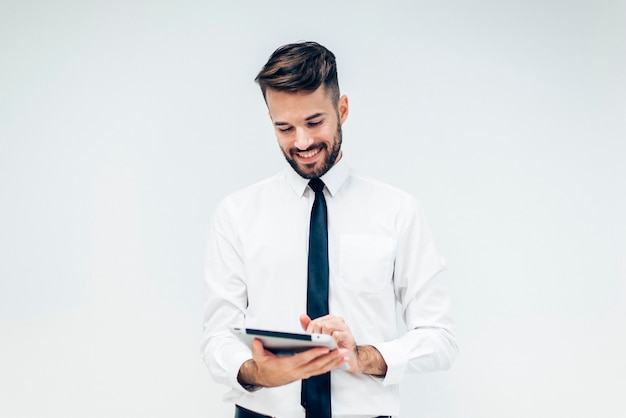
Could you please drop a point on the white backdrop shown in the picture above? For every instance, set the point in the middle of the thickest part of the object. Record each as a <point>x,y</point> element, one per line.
<point>122,123</point>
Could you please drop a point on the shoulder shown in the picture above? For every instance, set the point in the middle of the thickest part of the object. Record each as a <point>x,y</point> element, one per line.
<point>381,191</point>
<point>252,195</point>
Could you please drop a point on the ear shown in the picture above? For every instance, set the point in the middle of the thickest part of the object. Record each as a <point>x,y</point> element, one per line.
<point>342,108</point>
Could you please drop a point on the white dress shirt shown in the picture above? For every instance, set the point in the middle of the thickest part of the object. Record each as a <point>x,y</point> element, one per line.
<point>381,253</point>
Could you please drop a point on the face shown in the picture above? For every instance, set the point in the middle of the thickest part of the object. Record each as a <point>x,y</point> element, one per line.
<point>308,128</point>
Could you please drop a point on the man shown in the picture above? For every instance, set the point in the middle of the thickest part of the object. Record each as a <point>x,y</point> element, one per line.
<point>373,247</point>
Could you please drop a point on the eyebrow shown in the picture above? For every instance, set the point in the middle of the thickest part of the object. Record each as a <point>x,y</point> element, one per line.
<point>313,116</point>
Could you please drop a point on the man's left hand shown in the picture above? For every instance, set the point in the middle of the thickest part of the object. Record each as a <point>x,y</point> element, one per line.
<point>361,358</point>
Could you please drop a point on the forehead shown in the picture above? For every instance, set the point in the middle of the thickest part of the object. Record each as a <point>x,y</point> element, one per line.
<point>296,105</point>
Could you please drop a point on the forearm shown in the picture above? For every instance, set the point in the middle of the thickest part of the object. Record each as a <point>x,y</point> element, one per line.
<point>247,374</point>
<point>371,361</point>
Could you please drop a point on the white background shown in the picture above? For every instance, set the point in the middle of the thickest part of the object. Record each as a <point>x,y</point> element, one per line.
<point>122,123</point>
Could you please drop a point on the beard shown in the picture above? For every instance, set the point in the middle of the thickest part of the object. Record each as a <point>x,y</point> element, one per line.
<point>329,161</point>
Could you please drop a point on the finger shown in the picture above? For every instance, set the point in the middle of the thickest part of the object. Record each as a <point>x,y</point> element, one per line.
<point>327,326</point>
<point>257,348</point>
<point>310,355</point>
<point>323,364</point>
<point>305,320</point>
<point>317,325</point>
<point>343,338</point>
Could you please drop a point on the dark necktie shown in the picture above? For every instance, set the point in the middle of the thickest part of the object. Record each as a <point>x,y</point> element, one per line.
<point>316,389</point>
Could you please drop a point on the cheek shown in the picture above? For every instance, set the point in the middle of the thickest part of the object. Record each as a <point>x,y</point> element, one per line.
<point>327,135</point>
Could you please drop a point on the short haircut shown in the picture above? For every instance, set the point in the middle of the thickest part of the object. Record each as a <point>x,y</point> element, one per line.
<point>301,66</point>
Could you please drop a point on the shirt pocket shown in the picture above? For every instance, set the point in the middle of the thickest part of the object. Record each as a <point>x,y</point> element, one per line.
<point>365,262</point>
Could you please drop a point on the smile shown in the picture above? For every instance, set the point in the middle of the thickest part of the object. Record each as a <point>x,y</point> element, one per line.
<point>309,153</point>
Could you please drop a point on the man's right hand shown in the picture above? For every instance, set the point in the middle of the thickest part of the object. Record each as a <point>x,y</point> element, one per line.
<point>266,369</point>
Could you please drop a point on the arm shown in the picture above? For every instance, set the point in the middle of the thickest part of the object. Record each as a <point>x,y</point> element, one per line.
<point>226,299</point>
<point>429,344</point>
<point>370,360</point>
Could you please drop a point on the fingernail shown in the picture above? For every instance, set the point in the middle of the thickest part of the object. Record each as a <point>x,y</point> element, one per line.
<point>345,366</point>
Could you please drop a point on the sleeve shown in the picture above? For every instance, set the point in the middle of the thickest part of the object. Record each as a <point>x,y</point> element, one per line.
<point>225,301</point>
<point>429,344</point>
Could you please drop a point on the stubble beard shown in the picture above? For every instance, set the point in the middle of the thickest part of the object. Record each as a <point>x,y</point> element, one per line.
<point>329,161</point>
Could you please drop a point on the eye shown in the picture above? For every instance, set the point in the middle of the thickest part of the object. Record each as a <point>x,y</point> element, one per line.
<point>285,129</point>
<point>316,123</point>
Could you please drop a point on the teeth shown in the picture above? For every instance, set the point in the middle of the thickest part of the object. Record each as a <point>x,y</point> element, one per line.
<point>308,154</point>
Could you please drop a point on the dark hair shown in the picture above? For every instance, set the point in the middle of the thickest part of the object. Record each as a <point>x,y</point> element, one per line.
<point>302,66</point>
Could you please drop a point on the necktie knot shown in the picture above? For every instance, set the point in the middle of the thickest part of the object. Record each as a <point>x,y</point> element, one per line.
<point>317,185</point>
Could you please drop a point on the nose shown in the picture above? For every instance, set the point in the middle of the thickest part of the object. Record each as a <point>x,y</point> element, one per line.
<point>303,139</point>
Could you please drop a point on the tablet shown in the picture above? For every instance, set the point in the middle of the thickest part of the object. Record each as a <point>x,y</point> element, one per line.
<point>284,343</point>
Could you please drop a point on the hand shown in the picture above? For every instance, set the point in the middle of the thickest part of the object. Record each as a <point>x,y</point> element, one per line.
<point>361,358</point>
<point>337,328</point>
<point>268,370</point>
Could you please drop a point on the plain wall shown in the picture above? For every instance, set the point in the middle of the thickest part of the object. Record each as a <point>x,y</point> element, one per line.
<point>123,123</point>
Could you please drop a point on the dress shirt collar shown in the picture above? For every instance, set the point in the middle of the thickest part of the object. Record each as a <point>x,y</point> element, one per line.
<point>333,179</point>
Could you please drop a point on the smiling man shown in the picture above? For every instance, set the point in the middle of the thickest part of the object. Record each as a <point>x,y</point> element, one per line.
<point>319,248</point>
<point>311,142</point>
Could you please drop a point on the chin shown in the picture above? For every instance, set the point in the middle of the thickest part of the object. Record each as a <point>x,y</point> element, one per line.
<point>307,171</point>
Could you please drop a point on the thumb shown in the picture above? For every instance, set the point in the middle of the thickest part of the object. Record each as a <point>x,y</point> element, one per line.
<point>257,348</point>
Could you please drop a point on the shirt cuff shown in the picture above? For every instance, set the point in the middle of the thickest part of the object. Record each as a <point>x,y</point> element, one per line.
<point>235,363</point>
<point>396,357</point>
